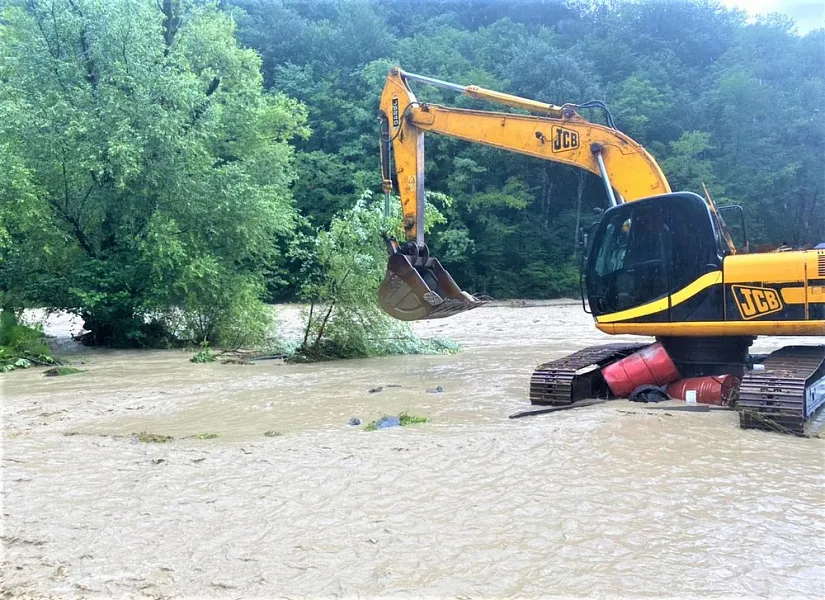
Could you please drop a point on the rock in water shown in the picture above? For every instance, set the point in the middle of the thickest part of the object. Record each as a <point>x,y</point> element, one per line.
<point>385,422</point>
<point>355,421</point>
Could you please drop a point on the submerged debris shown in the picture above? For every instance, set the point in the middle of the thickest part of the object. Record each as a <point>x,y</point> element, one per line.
<point>152,438</point>
<point>407,419</point>
<point>58,371</point>
<point>387,421</point>
<point>649,394</point>
<point>204,356</point>
<point>401,420</point>
<point>380,388</point>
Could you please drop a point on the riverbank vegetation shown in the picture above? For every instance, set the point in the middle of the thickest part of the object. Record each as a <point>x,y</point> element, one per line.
<point>21,346</point>
<point>169,167</point>
<point>341,272</point>
<point>150,171</point>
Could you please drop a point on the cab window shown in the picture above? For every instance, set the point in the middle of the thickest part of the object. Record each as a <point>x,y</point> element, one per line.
<point>648,249</point>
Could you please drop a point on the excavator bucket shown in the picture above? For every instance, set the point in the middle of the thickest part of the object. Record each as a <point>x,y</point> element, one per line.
<point>417,288</point>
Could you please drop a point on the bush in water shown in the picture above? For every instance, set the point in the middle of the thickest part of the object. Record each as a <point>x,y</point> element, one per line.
<point>21,346</point>
<point>342,273</point>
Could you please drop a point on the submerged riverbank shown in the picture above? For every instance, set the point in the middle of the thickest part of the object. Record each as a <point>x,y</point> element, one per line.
<point>288,499</point>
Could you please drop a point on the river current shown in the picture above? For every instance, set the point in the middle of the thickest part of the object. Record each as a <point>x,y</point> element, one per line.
<point>290,500</point>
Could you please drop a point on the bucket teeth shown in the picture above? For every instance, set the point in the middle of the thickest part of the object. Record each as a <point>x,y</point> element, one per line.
<point>413,291</point>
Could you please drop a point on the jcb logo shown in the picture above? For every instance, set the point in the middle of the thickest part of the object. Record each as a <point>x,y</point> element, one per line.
<point>755,301</point>
<point>564,139</point>
<point>395,118</point>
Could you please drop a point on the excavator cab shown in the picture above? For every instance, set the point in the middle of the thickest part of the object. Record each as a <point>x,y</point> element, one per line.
<point>647,250</point>
<point>416,286</point>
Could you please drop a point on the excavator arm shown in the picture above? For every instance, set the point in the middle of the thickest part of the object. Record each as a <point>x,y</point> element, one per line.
<point>563,136</point>
<point>416,286</point>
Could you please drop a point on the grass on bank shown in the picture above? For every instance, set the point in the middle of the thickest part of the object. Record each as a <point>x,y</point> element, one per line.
<point>21,346</point>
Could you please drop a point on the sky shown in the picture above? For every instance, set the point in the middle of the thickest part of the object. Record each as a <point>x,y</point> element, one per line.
<point>808,14</point>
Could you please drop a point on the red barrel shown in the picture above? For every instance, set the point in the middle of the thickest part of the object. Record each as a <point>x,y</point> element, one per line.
<point>650,365</point>
<point>717,389</point>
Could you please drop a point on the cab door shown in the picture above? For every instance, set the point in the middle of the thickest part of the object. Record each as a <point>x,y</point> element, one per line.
<point>647,257</point>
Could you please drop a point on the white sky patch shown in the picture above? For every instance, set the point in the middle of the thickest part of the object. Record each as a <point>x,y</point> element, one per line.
<point>808,14</point>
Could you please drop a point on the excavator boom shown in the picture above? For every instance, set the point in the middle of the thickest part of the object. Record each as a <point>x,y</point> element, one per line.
<point>416,286</point>
<point>563,137</point>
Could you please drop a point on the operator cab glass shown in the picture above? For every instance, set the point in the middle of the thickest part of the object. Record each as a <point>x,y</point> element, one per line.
<point>645,250</point>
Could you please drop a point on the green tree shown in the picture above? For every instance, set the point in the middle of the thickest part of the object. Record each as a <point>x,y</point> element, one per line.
<point>689,165</point>
<point>641,107</point>
<point>156,166</point>
<point>769,118</point>
<point>342,271</point>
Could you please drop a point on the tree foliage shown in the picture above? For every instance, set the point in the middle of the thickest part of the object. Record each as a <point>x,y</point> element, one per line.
<point>150,170</point>
<point>341,273</point>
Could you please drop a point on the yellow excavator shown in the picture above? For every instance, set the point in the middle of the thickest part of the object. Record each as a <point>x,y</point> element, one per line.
<point>657,264</point>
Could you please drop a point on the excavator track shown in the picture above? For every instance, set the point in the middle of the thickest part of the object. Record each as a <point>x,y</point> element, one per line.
<point>787,393</point>
<point>576,376</point>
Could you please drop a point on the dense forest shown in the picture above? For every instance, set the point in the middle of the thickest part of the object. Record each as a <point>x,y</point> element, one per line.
<point>167,153</point>
<point>739,107</point>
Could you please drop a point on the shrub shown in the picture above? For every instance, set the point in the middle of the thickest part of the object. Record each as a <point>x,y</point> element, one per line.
<point>21,346</point>
<point>341,281</point>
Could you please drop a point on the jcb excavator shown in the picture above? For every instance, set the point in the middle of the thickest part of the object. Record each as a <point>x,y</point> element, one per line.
<point>658,264</point>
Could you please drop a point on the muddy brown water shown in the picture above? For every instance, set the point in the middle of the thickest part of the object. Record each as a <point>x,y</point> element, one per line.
<point>605,500</point>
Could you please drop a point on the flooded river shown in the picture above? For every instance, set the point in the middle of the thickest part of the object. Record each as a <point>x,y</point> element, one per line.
<point>600,501</point>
